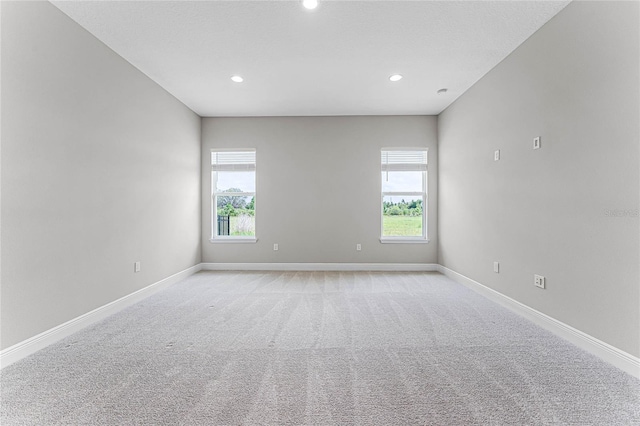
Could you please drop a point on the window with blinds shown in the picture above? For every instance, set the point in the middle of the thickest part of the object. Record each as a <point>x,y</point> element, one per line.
<point>229,161</point>
<point>233,191</point>
<point>398,160</point>
<point>404,194</point>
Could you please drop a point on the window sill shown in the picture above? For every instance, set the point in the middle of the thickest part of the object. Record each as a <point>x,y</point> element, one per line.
<point>404,241</point>
<point>233,240</point>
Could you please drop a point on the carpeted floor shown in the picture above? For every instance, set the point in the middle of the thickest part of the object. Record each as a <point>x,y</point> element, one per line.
<point>316,348</point>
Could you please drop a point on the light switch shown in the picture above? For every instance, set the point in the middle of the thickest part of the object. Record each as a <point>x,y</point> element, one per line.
<point>536,142</point>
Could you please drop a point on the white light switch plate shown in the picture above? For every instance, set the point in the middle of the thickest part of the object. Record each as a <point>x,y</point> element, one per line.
<point>536,142</point>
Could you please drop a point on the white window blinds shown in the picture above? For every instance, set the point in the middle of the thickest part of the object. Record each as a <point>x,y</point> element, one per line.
<point>228,161</point>
<point>404,160</point>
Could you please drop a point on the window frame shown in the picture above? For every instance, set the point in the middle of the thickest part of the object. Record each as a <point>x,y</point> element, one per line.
<point>424,238</point>
<point>215,238</point>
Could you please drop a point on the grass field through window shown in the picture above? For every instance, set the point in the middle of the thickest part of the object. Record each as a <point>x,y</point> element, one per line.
<point>402,226</point>
<point>242,225</point>
<point>394,226</point>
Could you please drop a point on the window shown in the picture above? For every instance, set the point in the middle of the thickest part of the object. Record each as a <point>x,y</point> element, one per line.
<point>404,195</point>
<point>233,186</point>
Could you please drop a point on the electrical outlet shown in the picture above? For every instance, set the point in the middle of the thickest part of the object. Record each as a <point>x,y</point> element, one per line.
<point>496,267</point>
<point>536,142</point>
<point>275,247</point>
<point>358,247</point>
<point>136,267</point>
<point>496,155</point>
<point>538,281</point>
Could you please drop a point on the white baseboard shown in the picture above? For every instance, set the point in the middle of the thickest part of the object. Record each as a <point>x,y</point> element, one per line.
<point>606,352</point>
<point>405,267</point>
<point>27,347</point>
<point>614,356</point>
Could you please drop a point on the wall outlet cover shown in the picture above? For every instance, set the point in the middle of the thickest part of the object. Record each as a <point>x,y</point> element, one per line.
<point>536,142</point>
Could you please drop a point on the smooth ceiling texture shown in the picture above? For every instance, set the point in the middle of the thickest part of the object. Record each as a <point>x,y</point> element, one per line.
<point>334,60</point>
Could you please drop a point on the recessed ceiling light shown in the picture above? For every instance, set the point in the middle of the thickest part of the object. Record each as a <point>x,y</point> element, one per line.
<point>310,4</point>
<point>442,91</point>
<point>395,77</point>
<point>237,79</point>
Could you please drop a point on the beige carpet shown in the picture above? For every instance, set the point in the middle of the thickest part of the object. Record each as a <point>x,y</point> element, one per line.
<point>316,348</point>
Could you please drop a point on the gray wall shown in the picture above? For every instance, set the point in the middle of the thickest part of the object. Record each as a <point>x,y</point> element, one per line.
<point>568,211</point>
<point>318,187</point>
<point>100,168</point>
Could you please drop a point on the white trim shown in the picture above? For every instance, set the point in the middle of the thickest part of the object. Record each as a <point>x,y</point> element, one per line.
<point>402,194</point>
<point>232,240</point>
<point>612,355</point>
<point>27,347</point>
<point>404,240</point>
<point>234,194</point>
<point>406,267</point>
<point>232,149</point>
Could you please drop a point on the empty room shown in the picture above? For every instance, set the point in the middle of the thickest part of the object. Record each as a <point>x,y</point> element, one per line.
<point>320,213</point>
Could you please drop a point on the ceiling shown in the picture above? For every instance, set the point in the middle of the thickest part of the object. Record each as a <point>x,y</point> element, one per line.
<point>334,60</point>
